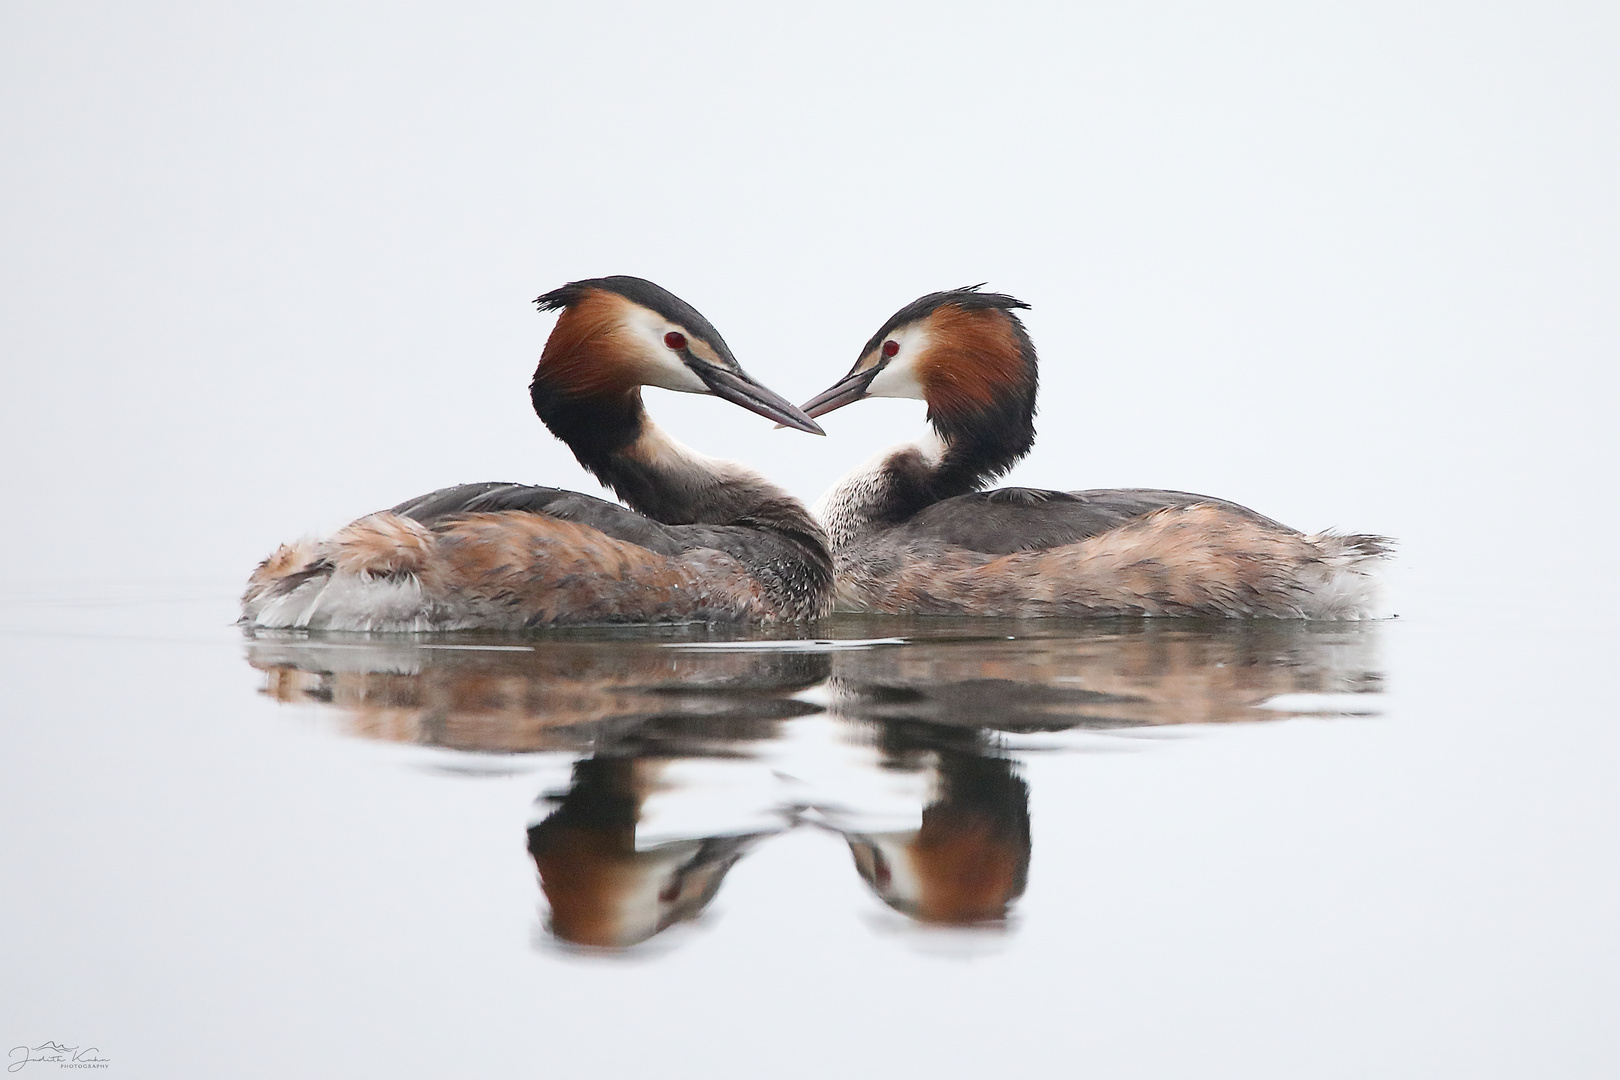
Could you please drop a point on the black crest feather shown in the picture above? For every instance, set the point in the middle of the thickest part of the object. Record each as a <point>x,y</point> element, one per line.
<point>968,298</point>
<point>648,295</point>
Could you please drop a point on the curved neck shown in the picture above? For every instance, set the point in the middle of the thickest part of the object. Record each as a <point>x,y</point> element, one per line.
<point>612,436</point>
<point>954,459</point>
<point>981,445</point>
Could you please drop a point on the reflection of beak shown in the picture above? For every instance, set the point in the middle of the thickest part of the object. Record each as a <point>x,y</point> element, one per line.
<point>851,388</point>
<point>740,389</point>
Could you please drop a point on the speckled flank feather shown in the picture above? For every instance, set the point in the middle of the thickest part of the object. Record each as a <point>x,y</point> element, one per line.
<point>500,571</point>
<point>1192,560</point>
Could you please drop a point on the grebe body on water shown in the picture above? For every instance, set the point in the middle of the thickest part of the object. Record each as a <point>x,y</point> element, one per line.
<point>700,539</point>
<point>912,532</point>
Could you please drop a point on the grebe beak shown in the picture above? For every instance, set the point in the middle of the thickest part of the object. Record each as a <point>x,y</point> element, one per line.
<point>846,391</point>
<point>740,389</point>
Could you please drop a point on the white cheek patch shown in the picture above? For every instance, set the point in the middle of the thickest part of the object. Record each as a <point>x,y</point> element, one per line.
<point>658,364</point>
<point>899,377</point>
<point>898,380</point>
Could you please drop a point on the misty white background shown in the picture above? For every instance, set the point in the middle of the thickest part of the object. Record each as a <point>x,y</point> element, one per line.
<point>268,269</point>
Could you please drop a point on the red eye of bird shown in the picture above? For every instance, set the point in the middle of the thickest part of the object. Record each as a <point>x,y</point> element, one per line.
<point>675,340</point>
<point>890,348</point>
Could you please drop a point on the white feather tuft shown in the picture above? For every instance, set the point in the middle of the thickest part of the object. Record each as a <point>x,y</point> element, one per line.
<point>1347,583</point>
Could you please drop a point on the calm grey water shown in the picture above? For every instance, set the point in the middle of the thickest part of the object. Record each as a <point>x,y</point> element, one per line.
<point>1128,848</point>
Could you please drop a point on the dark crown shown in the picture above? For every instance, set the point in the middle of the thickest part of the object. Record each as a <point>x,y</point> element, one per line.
<point>968,298</point>
<point>648,295</point>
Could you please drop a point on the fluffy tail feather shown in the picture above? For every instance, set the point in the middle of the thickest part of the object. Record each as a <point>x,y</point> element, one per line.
<point>368,576</point>
<point>1346,582</point>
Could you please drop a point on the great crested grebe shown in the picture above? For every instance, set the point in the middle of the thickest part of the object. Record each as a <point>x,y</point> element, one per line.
<point>703,540</point>
<point>912,534</point>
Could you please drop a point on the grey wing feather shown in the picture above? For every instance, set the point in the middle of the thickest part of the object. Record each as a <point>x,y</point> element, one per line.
<point>619,522</point>
<point>781,561</point>
<point>1029,519</point>
<point>446,501</point>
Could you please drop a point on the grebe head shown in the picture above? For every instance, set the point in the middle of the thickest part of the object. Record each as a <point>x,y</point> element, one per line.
<point>619,333</point>
<point>967,355</point>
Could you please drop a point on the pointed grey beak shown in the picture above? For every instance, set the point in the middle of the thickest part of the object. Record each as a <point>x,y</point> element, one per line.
<point>740,389</point>
<point>851,388</point>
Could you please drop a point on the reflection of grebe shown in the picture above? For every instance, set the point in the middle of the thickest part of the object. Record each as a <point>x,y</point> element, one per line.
<point>1111,674</point>
<point>602,890</point>
<point>698,754</point>
<point>563,695</point>
<point>704,539</point>
<point>912,534</point>
<point>969,860</point>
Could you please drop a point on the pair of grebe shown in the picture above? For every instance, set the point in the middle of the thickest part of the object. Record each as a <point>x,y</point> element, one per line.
<point>705,540</point>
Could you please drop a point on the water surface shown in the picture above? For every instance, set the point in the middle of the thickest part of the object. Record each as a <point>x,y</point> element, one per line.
<point>1135,847</point>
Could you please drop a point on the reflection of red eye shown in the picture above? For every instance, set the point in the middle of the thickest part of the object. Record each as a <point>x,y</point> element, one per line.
<point>890,348</point>
<point>675,340</point>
